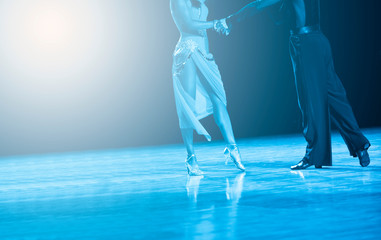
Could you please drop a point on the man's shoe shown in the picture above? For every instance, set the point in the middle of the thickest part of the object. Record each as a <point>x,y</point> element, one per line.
<point>363,157</point>
<point>303,164</point>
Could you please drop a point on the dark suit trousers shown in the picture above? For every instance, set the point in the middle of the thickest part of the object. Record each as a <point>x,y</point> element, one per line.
<point>322,99</point>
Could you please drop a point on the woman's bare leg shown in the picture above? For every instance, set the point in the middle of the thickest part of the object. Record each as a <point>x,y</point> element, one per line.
<point>221,115</point>
<point>188,81</point>
<point>222,120</point>
<point>187,134</point>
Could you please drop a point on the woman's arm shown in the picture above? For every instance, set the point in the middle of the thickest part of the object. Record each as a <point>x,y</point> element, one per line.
<point>206,44</point>
<point>180,12</point>
<point>250,10</point>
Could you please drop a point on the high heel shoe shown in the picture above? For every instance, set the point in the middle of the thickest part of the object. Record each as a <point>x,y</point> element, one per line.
<point>235,156</point>
<point>193,170</point>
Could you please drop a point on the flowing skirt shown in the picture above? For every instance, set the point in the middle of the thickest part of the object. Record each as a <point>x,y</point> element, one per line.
<point>191,110</point>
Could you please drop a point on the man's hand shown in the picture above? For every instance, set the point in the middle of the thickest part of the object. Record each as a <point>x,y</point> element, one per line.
<point>221,27</point>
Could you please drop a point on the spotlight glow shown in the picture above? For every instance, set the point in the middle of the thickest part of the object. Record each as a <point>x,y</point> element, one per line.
<point>49,38</point>
<point>50,28</point>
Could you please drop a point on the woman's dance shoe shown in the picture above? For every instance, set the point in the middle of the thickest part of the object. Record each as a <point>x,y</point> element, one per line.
<point>232,153</point>
<point>193,170</point>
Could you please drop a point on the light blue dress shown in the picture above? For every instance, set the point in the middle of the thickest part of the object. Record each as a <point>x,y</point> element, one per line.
<point>191,110</point>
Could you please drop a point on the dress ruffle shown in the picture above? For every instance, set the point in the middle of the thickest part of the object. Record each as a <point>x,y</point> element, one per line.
<point>191,110</point>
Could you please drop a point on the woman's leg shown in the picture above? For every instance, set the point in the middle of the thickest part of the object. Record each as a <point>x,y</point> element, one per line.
<point>188,81</point>
<point>221,115</point>
<point>222,119</point>
<point>187,134</point>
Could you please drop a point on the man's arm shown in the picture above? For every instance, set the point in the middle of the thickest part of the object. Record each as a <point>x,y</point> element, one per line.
<point>250,10</point>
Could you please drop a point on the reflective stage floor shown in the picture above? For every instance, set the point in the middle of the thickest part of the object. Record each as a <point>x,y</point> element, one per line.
<point>145,194</point>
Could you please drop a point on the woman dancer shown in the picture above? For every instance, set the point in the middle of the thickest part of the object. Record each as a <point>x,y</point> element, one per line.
<point>198,88</point>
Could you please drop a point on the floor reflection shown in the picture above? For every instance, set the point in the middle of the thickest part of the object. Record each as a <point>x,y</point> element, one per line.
<point>234,189</point>
<point>207,208</point>
<point>192,185</point>
<point>106,195</point>
<point>298,173</point>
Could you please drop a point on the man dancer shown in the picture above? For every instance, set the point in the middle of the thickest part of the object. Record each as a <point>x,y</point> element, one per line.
<point>321,95</point>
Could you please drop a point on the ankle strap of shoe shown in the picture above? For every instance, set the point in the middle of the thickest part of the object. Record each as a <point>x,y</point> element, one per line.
<point>232,146</point>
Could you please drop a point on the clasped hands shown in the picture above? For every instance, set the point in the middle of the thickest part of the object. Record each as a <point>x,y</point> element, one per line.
<point>221,27</point>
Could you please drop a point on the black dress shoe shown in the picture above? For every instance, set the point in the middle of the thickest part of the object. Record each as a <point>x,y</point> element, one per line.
<point>363,157</point>
<point>303,164</point>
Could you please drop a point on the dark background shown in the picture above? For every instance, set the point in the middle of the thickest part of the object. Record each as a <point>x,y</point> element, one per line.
<point>129,99</point>
<point>257,70</point>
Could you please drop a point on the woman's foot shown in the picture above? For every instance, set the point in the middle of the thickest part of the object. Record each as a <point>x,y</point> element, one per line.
<point>192,166</point>
<point>232,153</point>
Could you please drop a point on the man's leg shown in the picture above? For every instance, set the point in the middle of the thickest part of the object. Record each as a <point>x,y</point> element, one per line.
<point>341,111</point>
<point>311,82</point>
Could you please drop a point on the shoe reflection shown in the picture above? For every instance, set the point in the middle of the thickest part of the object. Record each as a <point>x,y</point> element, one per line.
<point>193,183</point>
<point>234,190</point>
<point>299,173</point>
<point>233,187</point>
